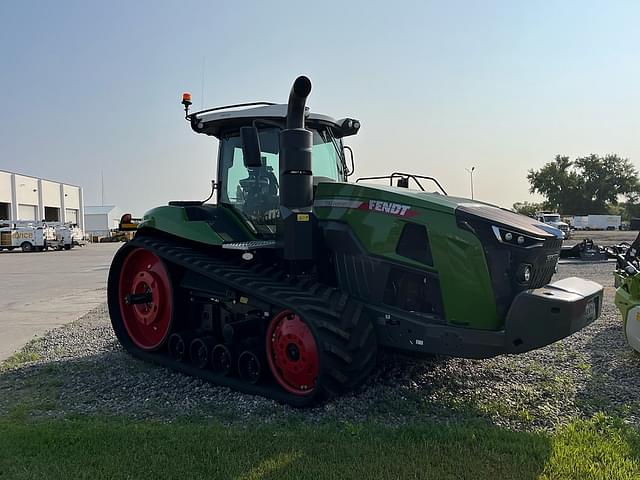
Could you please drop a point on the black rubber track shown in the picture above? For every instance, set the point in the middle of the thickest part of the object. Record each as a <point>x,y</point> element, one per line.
<point>345,336</point>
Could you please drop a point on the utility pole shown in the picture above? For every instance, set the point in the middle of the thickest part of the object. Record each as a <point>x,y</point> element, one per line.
<point>471,175</point>
<point>204,59</point>
<point>102,187</point>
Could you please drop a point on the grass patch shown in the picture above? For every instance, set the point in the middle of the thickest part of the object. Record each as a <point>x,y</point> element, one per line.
<point>19,358</point>
<point>30,395</point>
<point>89,447</point>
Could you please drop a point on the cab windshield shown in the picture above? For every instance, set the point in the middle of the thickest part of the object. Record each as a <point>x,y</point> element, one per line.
<point>255,191</point>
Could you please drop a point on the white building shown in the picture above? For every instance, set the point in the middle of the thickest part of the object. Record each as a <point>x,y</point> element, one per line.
<point>101,220</point>
<point>23,197</point>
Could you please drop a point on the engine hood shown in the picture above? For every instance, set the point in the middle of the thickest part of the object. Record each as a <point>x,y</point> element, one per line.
<point>502,217</point>
<point>331,193</point>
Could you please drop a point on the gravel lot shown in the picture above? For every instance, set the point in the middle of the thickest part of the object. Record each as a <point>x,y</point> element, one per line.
<point>81,369</point>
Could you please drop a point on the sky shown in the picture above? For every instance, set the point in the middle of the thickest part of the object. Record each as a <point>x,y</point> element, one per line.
<point>439,87</point>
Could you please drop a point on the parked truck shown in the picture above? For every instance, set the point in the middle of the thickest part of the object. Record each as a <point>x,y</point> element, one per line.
<point>28,238</point>
<point>59,237</point>
<point>553,219</point>
<point>35,236</point>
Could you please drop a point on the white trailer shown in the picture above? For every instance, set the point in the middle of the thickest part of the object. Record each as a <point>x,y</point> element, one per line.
<point>580,222</point>
<point>596,222</point>
<point>604,222</point>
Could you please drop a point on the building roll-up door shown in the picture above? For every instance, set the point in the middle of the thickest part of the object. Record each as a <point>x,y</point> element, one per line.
<point>71,215</point>
<point>5,211</point>
<point>51,214</point>
<point>27,212</point>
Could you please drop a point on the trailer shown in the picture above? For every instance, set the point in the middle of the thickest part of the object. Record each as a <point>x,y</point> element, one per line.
<point>580,222</point>
<point>596,222</point>
<point>604,222</point>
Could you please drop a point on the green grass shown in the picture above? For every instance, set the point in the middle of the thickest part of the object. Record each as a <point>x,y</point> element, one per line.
<point>18,358</point>
<point>601,448</point>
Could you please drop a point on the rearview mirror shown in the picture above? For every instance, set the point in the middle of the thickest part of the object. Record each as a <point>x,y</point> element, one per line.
<point>250,147</point>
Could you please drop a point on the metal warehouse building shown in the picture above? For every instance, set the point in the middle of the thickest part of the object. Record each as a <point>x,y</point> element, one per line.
<point>23,197</point>
<point>101,220</point>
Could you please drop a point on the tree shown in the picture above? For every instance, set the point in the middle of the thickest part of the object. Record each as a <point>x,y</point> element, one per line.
<point>529,208</point>
<point>605,179</point>
<point>628,210</point>
<point>586,185</point>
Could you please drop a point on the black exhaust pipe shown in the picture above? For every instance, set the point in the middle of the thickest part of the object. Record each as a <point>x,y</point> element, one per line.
<point>296,177</point>
<point>297,99</point>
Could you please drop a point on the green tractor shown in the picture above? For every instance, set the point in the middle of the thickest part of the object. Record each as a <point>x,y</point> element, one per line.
<point>295,279</point>
<point>627,299</point>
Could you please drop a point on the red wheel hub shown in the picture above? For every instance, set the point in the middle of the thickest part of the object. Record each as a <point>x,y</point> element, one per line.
<point>148,323</point>
<point>292,353</point>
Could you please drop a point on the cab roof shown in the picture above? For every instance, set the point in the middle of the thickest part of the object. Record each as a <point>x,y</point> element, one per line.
<point>218,120</point>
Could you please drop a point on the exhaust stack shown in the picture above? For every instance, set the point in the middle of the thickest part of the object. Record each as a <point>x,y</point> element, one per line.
<point>296,178</point>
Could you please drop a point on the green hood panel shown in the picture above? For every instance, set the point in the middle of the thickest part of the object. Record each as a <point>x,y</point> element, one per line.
<point>208,224</point>
<point>385,193</point>
<point>427,200</point>
<point>377,216</point>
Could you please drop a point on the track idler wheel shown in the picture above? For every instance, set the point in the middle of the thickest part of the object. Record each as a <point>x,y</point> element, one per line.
<point>222,359</point>
<point>249,367</point>
<point>177,347</point>
<point>145,298</point>
<point>199,352</point>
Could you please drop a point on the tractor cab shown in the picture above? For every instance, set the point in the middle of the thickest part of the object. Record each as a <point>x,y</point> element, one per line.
<point>253,189</point>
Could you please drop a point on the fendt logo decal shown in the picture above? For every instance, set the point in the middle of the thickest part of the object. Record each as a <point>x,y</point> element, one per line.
<point>370,205</point>
<point>388,207</point>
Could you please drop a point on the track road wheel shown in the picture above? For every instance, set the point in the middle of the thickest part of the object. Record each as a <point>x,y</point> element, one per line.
<point>199,352</point>
<point>249,367</point>
<point>222,359</point>
<point>292,353</point>
<point>145,299</point>
<point>321,356</point>
<point>177,347</point>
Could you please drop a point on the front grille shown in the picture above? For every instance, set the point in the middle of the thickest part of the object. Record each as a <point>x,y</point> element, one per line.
<point>552,244</point>
<point>544,264</point>
<point>541,274</point>
<point>505,261</point>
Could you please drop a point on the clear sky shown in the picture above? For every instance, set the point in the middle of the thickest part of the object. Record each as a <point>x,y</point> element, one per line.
<point>439,86</point>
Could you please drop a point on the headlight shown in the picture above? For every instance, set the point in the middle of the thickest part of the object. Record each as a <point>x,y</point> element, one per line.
<point>511,237</point>
<point>523,274</point>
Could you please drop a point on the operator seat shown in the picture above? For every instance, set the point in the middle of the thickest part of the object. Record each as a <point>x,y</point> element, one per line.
<point>259,192</point>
